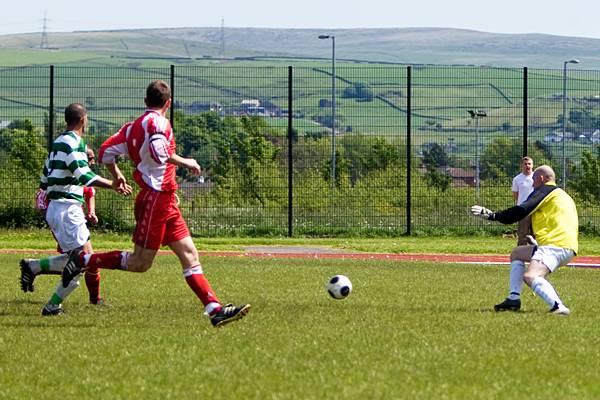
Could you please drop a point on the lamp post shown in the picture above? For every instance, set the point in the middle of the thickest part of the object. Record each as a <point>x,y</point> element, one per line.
<point>476,115</point>
<point>332,106</point>
<point>564,121</point>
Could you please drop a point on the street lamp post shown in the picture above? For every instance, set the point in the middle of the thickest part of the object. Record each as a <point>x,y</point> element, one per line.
<point>564,121</point>
<point>332,105</point>
<point>476,115</point>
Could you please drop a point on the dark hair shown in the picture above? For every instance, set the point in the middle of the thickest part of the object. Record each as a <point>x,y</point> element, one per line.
<point>157,94</point>
<point>74,112</point>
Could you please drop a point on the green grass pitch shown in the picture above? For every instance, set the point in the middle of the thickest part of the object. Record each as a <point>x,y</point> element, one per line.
<point>408,330</point>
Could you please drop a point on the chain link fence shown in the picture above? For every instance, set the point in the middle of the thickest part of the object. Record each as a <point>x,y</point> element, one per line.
<point>392,150</point>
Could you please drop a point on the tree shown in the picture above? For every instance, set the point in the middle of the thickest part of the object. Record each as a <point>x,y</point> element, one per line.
<point>587,177</point>
<point>367,154</point>
<point>234,150</point>
<point>502,157</point>
<point>436,178</point>
<point>436,156</point>
<point>359,91</point>
<point>342,167</point>
<point>324,103</point>
<point>582,118</point>
<point>26,153</point>
<point>544,149</point>
<point>23,124</point>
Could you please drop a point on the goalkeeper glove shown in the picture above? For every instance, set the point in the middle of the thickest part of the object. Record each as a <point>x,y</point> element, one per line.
<point>531,240</point>
<point>482,212</point>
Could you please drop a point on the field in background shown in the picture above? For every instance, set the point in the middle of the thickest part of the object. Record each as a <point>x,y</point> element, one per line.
<point>112,88</point>
<point>408,330</point>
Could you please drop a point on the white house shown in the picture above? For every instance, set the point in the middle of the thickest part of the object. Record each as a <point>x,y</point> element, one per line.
<point>553,137</point>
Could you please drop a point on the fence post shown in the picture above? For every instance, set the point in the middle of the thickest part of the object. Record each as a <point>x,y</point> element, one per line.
<point>408,149</point>
<point>172,97</point>
<point>525,110</point>
<point>50,134</point>
<point>290,156</point>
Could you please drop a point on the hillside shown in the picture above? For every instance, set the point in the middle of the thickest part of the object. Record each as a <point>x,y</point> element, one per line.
<point>402,45</point>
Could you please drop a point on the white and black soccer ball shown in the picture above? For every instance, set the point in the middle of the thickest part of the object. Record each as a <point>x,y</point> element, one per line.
<point>339,287</point>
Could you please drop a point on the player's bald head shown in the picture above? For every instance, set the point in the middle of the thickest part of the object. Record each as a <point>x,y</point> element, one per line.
<point>546,173</point>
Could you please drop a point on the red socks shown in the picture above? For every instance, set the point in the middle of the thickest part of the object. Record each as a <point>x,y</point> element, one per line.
<point>109,260</point>
<point>92,282</point>
<point>199,284</point>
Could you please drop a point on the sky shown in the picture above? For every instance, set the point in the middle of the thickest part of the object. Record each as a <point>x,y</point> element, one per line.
<point>566,18</point>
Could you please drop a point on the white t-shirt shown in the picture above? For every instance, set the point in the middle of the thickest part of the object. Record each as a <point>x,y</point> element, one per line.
<point>523,185</point>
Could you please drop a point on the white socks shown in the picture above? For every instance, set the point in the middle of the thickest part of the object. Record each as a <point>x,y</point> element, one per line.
<point>49,264</point>
<point>61,293</point>
<point>517,269</point>
<point>544,289</point>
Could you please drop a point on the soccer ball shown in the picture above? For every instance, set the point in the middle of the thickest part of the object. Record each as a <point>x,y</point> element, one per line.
<point>339,287</point>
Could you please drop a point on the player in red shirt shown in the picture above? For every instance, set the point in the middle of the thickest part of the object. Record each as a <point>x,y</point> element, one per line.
<point>150,144</point>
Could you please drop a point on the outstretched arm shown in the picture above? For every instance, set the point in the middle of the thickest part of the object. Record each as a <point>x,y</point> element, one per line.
<point>516,213</point>
<point>116,185</point>
<point>508,216</point>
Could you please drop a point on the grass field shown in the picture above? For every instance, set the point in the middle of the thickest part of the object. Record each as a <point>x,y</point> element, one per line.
<point>408,330</point>
<point>40,239</point>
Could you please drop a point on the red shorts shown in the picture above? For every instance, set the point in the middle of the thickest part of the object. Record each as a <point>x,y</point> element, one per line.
<point>158,219</point>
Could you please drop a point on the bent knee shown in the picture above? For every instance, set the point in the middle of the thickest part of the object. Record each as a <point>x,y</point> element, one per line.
<point>521,253</point>
<point>138,266</point>
<point>530,276</point>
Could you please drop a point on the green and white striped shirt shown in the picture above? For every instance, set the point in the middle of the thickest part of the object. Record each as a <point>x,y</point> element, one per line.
<point>66,170</point>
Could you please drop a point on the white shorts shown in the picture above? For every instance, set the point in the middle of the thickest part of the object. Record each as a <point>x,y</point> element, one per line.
<point>67,222</point>
<point>552,257</point>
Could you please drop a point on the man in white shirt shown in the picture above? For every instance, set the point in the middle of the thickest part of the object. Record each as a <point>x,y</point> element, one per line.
<point>522,186</point>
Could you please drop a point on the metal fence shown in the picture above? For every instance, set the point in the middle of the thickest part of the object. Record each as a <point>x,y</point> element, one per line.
<point>393,150</point>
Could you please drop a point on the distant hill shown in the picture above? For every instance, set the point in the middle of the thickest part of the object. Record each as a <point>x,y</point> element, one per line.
<point>403,45</point>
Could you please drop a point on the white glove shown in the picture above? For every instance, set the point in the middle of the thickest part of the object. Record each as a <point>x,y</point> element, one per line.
<point>531,240</point>
<point>481,212</point>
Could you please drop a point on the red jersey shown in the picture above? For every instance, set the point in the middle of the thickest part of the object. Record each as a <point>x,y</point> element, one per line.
<point>149,142</point>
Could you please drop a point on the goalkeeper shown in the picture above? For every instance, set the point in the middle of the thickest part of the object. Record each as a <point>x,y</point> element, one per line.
<point>555,226</point>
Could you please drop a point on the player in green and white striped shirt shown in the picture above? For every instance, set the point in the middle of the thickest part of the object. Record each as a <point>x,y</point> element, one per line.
<point>65,173</point>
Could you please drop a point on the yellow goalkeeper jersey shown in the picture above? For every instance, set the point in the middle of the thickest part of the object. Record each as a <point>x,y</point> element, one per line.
<point>554,217</point>
<point>555,222</point>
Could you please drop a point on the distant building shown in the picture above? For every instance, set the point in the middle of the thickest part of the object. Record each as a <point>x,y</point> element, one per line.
<point>250,103</point>
<point>260,111</point>
<point>590,136</point>
<point>585,136</point>
<point>461,177</point>
<point>592,99</point>
<point>553,137</point>
<point>253,107</point>
<point>198,107</point>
